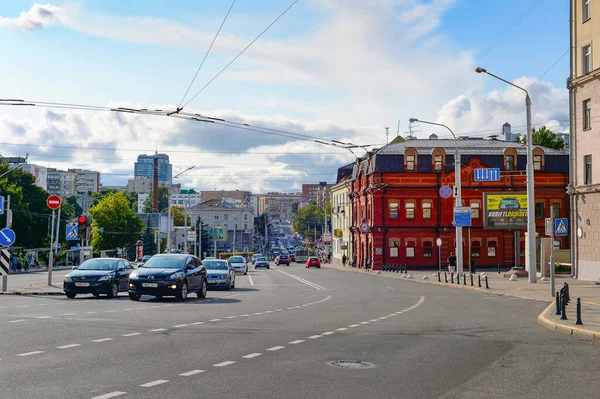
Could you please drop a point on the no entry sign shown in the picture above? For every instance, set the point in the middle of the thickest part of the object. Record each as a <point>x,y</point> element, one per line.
<point>53,202</point>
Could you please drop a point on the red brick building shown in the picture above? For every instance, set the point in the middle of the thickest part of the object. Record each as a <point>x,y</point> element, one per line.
<point>396,191</point>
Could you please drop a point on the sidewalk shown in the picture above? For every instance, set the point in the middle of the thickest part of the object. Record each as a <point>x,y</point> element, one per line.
<point>588,291</point>
<point>35,289</point>
<point>39,269</point>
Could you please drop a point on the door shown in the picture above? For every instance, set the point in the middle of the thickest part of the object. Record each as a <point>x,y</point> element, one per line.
<point>125,276</point>
<point>191,271</point>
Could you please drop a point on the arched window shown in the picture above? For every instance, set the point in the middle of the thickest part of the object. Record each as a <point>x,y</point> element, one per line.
<point>476,248</point>
<point>427,248</point>
<point>393,207</point>
<point>394,245</point>
<point>438,159</point>
<point>510,159</point>
<point>475,209</point>
<point>410,159</point>
<point>410,209</point>
<point>410,246</point>
<point>492,243</point>
<point>427,206</point>
<point>538,159</point>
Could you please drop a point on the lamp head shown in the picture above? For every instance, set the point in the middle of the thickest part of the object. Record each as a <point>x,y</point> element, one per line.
<point>411,120</point>
<point>480,70</point>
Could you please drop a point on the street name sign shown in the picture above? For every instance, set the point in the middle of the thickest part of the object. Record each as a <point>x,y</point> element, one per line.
<point>462,216</point>
<point>487,174</point>
<point>561,227</point>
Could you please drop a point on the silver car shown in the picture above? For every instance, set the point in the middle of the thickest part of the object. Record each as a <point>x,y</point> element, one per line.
<point>220,274</point>
<point>238,263</point>
<point>261,262</point>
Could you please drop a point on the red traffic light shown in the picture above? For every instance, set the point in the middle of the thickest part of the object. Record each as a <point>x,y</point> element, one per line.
<point>82,219</point>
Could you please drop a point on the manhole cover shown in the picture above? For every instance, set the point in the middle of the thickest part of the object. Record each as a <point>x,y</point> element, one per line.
<point>351,364</point>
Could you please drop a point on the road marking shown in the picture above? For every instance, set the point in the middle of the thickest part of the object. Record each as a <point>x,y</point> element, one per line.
<point>125,310</point>
<point>193,372</point>
<point>213,320</point>
<point>158,329</point>
<point>69,314</point>
<point>258,313</point>
<point>231,317</point>
<point>68,346</point>
<point>142,308</point>
<point>42,304</point>
<point>245,315</point>
<point>303,281</point>
<point>252,355</point>
<point>298,341</point>
<point>364,322</point>
<point>289,308</point>
<point>268,311</point>
<point>16,321</point>
<point>180,325</point>
<point>353,325</point>
<point>21,306</point>
<point>154,383</point>
<point>197,323</point>
<point>91,312</point>
<point>43,317</point>
<point>223,364</point>
<point>341,329</point>
<point>279,310</point>
<point>110,311</point>
<point>315,336</point>
<point>131,335</point>
<point>30,353</point>
<point>250,278</point>
<point>328,333</point>
<point>102,340</point>
<point>110,395</point>
<point>275,348</point>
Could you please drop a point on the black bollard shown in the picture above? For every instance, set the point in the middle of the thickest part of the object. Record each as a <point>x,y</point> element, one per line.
<point>439,278</point>
<point>487,287</point>
<point>568,297</point>
<point>457,278</point>
<point>498,268</point>
<point>562,307</point>
<point>464,279</point>
<point>452,278</point>
<point>479,280</point>
<point>446,277</point>
<point>471,279</point>
<point>557,303</point>
<point>578,313</point>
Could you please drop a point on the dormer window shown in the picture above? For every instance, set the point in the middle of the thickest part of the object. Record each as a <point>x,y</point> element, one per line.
<point>510,159</point>
<point>437,159</point>
<point>410,159</point>
<point>538,159</point>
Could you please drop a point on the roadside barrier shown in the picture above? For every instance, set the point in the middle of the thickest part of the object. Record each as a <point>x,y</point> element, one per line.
<point>487,287</point>
<point>578,313</point>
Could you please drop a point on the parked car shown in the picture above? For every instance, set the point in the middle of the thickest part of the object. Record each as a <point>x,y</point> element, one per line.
<point>283,260</point>
<point>169,275</point>
<point>253,259</point>
<point>239,264</point>
<point>261,262</point>
<point>98,276</point>
<point>313,261</point>
<point>220,274</point>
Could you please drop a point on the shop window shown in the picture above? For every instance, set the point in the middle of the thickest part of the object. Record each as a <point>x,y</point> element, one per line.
<point>410,249</point>
<point>491,249</point>
<point>426,209</point>
<point>427,249</point>
<point>475,209</point>
<point>393,206</point>
<point>410,209</point>
<point>394,245</point>
<point>555,207</point>
<point>539,210</point>
<point>538,159</point>
<point>476,249</point>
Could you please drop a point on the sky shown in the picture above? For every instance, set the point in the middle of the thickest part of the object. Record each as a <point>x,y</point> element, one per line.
<point>327,69</point>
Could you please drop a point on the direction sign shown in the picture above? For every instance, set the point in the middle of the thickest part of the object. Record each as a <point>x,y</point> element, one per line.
<point>53,202</point>
<point>1,205</point>
<point>72,233</point>
<point>561,227</point>
<point>445,191</point>
<point>4,262</point>
<point>7,237</point>
<point>462,216</point>
<point>487,174</point>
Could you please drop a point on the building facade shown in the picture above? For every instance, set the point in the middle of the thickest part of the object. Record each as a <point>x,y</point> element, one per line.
<point>398,210</point>
<point>278,205</point>
<point>243,197</point>
<point>318,193</point>
<point>585,147</point>
<point>40,174</point>
<point>186,198</point>
<point>341,220</point>
<point>144,166</point>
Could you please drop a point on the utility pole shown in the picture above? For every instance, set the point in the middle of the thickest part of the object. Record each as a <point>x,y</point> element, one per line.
<point>51,254</point>
<point>56,246</point>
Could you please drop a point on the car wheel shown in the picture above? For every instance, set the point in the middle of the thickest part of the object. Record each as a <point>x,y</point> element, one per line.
<point>228,288</point>
<point>202,292</point>
<point>183,293</point>
<point>134,297</point>
<point>268,267</point>
<point>96,294</point>
<point>114,291</point>
<point>71,295</point>
<point>158,296</point>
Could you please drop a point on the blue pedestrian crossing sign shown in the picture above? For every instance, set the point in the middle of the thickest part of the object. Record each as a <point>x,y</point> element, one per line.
<point>561,227</point>
<point>72,233</point>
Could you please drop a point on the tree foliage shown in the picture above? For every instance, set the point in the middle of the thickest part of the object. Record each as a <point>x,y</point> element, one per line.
<point>178,213</point>
<point>163,200</point>
<point>306,219</point>
<point>545,138</point>
<point>121,225</point>
<point>147,238</point>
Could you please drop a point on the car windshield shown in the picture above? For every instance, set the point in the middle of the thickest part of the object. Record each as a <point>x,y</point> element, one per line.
<point>261,259</point>
<point>164,262</point>
<point>215,265</point>
<point>236,259</point>
<point>99,264</point>
<point>314,258</point>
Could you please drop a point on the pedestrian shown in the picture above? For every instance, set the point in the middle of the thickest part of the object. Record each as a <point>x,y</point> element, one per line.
<point>27,262</point>
<point>354,261</point>
<point>368,264</point>
<point>344,259</point>
<point>15,262</point>
<point>20,263</point>
<point>451,263</point>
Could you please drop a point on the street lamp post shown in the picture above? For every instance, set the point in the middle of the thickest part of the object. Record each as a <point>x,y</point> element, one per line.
<point>530,258</point>
<point>169,213</point>
<point>458,195</point>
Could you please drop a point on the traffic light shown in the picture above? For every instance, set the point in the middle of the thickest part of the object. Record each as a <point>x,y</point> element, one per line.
<point>83,222</point>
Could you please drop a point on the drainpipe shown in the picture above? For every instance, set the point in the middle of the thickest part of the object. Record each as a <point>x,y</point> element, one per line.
<point>572,153</point>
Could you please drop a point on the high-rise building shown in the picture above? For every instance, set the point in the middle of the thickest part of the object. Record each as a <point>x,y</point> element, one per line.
<point>40,174</point>
<point>278,205</point>
<point>144,166</point>
<point>319,193</point>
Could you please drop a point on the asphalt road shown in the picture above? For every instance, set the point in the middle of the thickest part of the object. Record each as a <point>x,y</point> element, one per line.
<point>275,335</point>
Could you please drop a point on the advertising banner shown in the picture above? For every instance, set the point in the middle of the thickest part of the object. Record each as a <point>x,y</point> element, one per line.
<point>506,210</point>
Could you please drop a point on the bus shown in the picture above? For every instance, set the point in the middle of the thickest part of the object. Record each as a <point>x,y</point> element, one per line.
<point>302,254</point>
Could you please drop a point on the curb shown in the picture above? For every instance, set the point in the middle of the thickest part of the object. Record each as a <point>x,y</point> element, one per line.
<point>563,329</point>
<point>32,293</point>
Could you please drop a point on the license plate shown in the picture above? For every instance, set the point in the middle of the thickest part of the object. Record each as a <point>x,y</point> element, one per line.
<point>82,284</point>
<point>150,285</point>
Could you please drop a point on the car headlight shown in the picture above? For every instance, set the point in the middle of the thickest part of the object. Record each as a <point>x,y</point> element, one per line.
<point>68,279</point>
<point>223,275</point>
<point>105,278</point>
<point>133,275</point>
<point>176,276</point>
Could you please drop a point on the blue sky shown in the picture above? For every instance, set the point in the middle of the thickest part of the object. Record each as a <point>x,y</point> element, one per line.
<point>330,68</point>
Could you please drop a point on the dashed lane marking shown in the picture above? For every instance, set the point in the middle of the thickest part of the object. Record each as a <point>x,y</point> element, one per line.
<point>275,348</point>
<point>296,342</point>
<point>69,314</point>
<point>214,320</point>
<point>353,325</point>
<point>30,353</point>
<point>180,325</point>
<point>223,364</point>
<point>68,346</point>
<point>328,333</point>
<point>44,317</point>
<point>158,329</point>
<point>154,383</point>
<point>364,322</point>
<point>16,321</point>
<point>252,355</point>
<point>102,340</point>
<point>110,395</point>
<point>315,336</point>
<point>341,329</point>
<point>197,323</point>
<point>231,317</point>
<point>250,278</point>
<point>192,372</point>
<point>131,334</point>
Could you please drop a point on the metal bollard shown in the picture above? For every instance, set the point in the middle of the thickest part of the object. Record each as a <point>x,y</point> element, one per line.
<point>568,297</point>
<point>578,313</point>
<point>487,287</point>
<point>464,279</point>
<point>479,280</point>
<point>452,278</point>
<point>446,277</point>
<point>498,268</point>
<point>471,279</point>
<point>439,278</point>
<point>562,307</point>
<point>557,303</point>
<point>457,278</point>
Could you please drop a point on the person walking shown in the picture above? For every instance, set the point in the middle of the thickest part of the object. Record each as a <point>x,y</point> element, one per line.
<point>451,263</point>
<point>20,263</point>
<point>344,259</point>
<point>354,261</point>
<point>15,262</point>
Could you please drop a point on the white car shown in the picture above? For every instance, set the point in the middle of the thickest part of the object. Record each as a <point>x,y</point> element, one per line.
<point>238,263</point>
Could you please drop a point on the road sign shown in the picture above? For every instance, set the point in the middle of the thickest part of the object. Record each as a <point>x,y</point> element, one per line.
<point>4,262</point>
<point>445,191</point>
<point>1,205</point>
<point>487,174</point>
<point>217,234</point>
<point>364,226</point>
<point>549,226</point>
<point>72,233</point>
<point>438,242</point>
<point>561,226</point>
<point>7,237</point>
<point>462,216</point>
<point>53,202</point>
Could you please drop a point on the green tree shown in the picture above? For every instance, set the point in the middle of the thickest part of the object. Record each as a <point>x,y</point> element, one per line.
<point>120,224</point>
<point>306,219</point>
<point>72,200</point>
<point>163,200</point>
<point>178,212</point>
<point>206,243</point>
<point>545,138</point>
<point>147,238</point>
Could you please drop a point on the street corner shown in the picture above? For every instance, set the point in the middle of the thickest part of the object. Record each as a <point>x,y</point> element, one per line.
<point>35,289</point>
<point>551,321</point>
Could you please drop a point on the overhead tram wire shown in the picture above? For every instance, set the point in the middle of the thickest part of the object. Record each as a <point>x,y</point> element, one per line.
<point>205,56</point>
<point>240,53</point>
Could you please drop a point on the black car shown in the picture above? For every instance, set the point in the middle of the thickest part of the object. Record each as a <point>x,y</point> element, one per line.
<point>169,275</point>
<point>283,260</point>
<point>98,276</point>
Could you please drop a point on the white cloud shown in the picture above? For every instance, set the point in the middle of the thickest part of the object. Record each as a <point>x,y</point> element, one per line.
<point>37,17</point>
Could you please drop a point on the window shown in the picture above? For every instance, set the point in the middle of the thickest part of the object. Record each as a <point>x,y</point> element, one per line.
<point>393,205</point>
<point>410,162</point>
<point>225,216</point>
<point>410,209</point>
<point>216,217</point>
<point>539,210</point>
<point>427,249</point>
<point>245,216</point>
<point>438,161</point>
<point>245,226</point>
<point>537,162</point>
<point>410,249</point>
<point>476,249</point>
<point>587,170</point>
<point>475,209</point>
<point>585,10</point>
<point>492,249</point>
<point>510,162</point>
<point>555,209</point>
<point>426,210</point>
<point>586,52</point>
<point>587,114</point>
<point>394,244</point>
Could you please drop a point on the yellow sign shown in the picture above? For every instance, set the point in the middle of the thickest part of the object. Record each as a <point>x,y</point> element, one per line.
<point>338,233</point>
<point>505,210</point>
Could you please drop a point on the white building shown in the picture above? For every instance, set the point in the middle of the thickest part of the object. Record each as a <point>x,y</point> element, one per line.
<point>341,220</point>
<point>40,174</point>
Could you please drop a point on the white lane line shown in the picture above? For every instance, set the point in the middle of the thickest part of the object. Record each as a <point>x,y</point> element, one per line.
<point>193,372</point>
<point>110,395</point>
<point>268,311</point>
<point>364,322</point>
<point>303,281</point>
<point>16,321</point>
<point>250,278</point>
<point>275,348</point>
<point>131,335</point>
<point>279,310</point>
<point>91,312</point>
<point>125,310</point>
<point>289,308</point>
<point>223,364</point>
<point>252,355</point>
<point>296,342</point>
<point>42,304</point>
<point>21,306</point>
<point>258,313</point>
<point>231,317</point>
<point>328,333</point>
<point>244,315</point>
<point>110,311</point>
<point>197,323</point>
<point>44,317</point>
<point>158,329</point>
<point>315,336</point>
<point>180,325</point>
<point>373,320</point>
<point>353,325</point>
<point>341,329</point>
<point>102,340</point>
<point>154,383</point>
<point>68,346</point>
<point>30,353</point>
<point>213,320</point>
<point>69,314</point>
